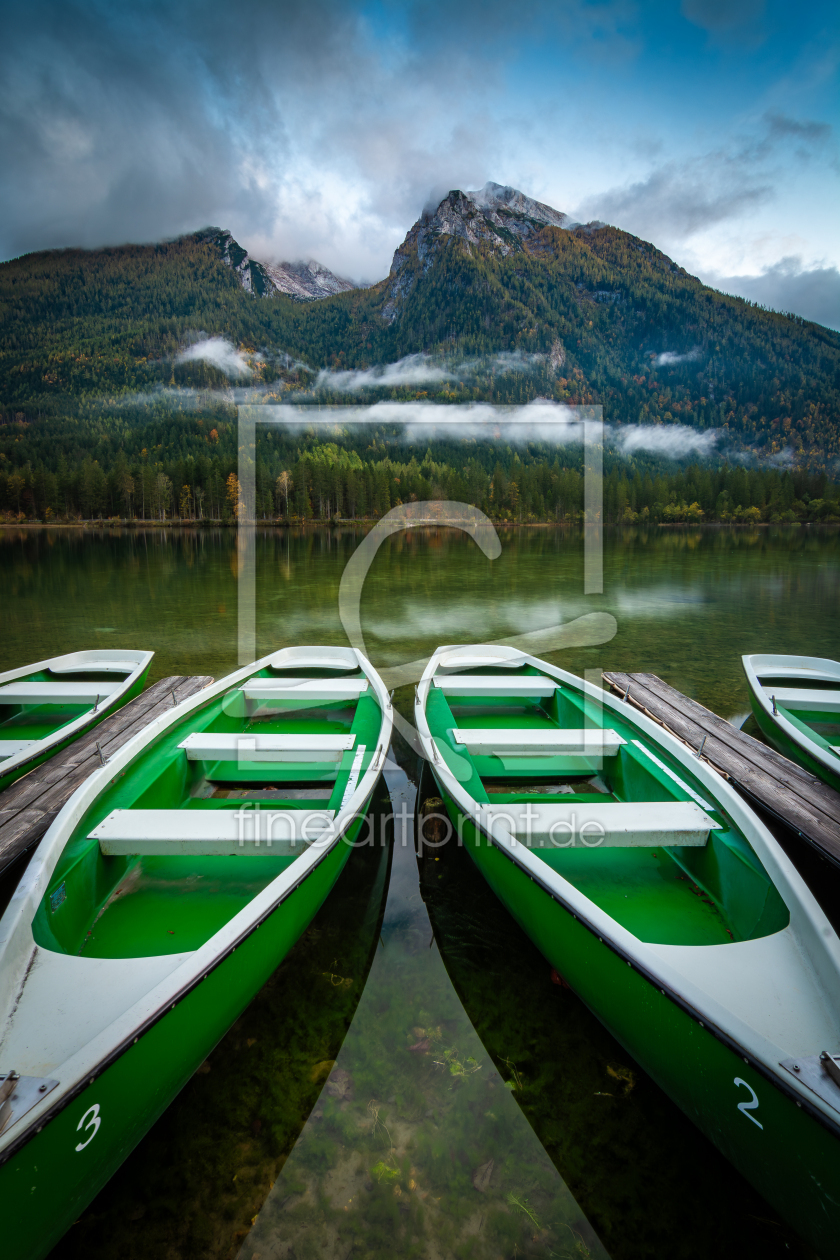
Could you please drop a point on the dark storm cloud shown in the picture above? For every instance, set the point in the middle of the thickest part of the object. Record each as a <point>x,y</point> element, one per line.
<point>133,122</point>
<point>717,15</point>
<point>782,127</point>
<point>678,200</point>
<point>121,123</point>
<point>738,23</point>
<point>813,292</point>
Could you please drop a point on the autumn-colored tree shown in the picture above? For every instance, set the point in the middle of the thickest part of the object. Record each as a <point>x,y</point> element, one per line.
<point>186,504</point>
<point>234,496</point>
<point>284,486</point>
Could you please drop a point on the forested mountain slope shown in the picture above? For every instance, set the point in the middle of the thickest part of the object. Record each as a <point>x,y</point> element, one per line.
<point>595,314</point>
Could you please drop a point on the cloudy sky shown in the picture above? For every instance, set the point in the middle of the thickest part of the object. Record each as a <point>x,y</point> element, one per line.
<point>321,129</point>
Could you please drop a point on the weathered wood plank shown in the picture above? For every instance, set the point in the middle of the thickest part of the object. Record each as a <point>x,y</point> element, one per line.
<point>789,792</point>
<point>21,833</point>
<point>157,697</point>
<point>751,748</point>
<point>28,807</point>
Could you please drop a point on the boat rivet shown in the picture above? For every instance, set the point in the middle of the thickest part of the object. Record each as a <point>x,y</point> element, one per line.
<point>796,1067</point>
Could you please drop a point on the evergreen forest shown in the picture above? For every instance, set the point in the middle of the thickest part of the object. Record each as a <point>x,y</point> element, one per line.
<point>100,416</point>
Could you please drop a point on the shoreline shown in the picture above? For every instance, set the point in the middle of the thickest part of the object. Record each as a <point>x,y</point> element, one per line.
<point>368,523</point>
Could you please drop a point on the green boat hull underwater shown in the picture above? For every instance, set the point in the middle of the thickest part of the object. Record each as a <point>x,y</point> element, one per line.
<point>662,900</point>
<point>44,706</point>
<point>796,702</point>
<point>164,895</point>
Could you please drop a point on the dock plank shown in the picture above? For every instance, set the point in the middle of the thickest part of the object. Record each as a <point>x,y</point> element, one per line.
<point>29,806</point>
<point>787,791</point>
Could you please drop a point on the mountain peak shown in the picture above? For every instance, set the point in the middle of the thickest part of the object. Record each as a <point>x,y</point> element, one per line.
<point>496,216</point>
<point>305,281</point>
<point>496,197</point>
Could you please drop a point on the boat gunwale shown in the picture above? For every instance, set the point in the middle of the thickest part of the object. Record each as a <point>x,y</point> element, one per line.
<point>765,1070</point>
<point>164,995</point>
<point>76,726</point>
<point>828,761</point>
<point>755,1049</point>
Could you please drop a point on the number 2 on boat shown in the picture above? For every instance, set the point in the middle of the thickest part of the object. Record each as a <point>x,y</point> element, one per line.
<point>94,1123</point>
<point>745,1107</point>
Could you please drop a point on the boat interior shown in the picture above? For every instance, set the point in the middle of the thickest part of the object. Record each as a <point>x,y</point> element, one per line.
<point>37,705</point>
<point>807,695</point>
<point>210,812</point>
<point>601,805</point>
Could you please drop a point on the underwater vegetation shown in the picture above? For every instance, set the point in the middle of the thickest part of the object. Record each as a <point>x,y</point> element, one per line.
<point>647,1180</point>
<point>416,1081</point>
<point>192,1187</point>
<point>416,1147</point>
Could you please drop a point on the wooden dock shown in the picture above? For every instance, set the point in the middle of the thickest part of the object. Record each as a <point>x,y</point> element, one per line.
<point>786,791</point>
<point>28,807</point>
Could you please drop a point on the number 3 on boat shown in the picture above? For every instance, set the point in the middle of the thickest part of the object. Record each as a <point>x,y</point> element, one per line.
<point>162,898</point>
<point>669,908</point>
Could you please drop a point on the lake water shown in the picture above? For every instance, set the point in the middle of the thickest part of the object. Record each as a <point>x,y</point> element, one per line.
<point>411,1082</point>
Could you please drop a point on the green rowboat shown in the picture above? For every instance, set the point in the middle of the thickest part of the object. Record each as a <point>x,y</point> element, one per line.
<point>663,901</point>
<point>46,705</point>
<point>796,702</point>
<point>161,899</point>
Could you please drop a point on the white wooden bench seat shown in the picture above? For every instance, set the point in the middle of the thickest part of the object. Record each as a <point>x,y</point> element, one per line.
<point>209,746</point>
<point>270,689</point>
<point>96,667</point>
<point>56,692</point>
<point>612,824</point>
<point>226,832</point>
<point>534,686</point>
<point>804,698</point>
<point>11,747</point>
<point>537,743</point>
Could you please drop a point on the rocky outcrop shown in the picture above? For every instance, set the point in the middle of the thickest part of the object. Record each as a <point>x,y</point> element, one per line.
<point>304,281</point>
<point>497,217</point>
<point>498,200</point>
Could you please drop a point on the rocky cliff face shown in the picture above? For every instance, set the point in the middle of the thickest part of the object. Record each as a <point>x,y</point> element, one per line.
<point>500,218</point>
<point>304,281</point>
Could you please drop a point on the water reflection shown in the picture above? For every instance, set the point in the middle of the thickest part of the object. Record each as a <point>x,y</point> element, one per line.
<point>687,602</point>
<point>192,1187</point>
<point>416,1146</point>
<point>645,1177</point>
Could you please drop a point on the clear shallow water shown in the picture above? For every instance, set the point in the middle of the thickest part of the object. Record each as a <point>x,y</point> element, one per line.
<point>687,603</point>
<point>417,1146</point>
<point>316,1102</point>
